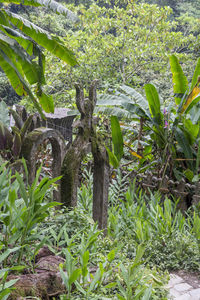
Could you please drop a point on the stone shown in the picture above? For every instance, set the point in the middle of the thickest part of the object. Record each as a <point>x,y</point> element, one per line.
<point>182,287</point>
<point>174,293</point>
<point>195,293</point>
<point>174,279</point>
<point>184,297</point>
<point>86,137</point>
<point>61,121</point>
<point>30,148</point>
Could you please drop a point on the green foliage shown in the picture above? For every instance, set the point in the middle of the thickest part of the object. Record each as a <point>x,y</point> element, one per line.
<point>117,143</point>
<point>130,281</point>
<point>120,45</point>
<point>118,187</point>
<point>179,79</point>
<point>173,252</point>
<point>21,214</point>
<point>6,287</point>
<point>85,192</point>
<point>181,7</point>
<point>21,57</point>
<point>170,134</point>
<point>148,229</point>
<point>167,234</point>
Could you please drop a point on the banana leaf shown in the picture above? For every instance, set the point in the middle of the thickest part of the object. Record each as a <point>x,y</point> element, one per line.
<point>185,147</point>
<point>42,37</point>
<point>196,74</point>
<point>117,138</point>
<point>192,98</point>
<point>154,104</point>
<point>178,77</point>
<point>51,4</point>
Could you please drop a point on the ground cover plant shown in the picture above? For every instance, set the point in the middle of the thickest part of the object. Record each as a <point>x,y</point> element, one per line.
<point>147,237</point>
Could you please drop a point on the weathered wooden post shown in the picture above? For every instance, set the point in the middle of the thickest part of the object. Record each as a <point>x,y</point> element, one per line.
<point>77,151</point>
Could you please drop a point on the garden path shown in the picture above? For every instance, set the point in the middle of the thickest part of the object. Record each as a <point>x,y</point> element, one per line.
<point>184,286</point>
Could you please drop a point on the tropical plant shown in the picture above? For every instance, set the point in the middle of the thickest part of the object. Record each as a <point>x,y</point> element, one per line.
<point>6,286</point>
<point>21,56</point>
<point>20,215</point>
<point>135,284</point>
<point>117,143</point>
<point>11,140</point>
<point>171,134</point>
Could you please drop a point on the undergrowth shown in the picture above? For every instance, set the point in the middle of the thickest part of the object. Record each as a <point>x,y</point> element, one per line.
<point>147,237</point>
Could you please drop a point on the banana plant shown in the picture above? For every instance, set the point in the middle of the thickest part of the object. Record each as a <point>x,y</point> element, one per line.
<point>21,55</point>
<point>174,132</point>
<point>186,127</point>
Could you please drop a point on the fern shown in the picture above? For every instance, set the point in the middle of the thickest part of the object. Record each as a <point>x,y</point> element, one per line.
<point>118,187</point>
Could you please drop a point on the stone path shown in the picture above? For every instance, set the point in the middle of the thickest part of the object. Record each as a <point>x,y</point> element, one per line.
<point>184,287</point>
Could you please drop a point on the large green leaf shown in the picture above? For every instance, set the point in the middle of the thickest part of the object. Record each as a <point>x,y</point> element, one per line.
<point>46,101</point>
<point>32,71</point>
<point>196,74</point>
<point>74,276</point>
<point>9,69</point>
<point>23,40</point>
<point>139,99</point>
<point>112,158</point>
<point>15,78</point>
<point>117,138</point>
<point>135,109</point>
<point>154,102</point>
<point>51,4</point>
<point>185,146</point>
<point>192,130</point>
<point>192,104</point>
<point>115,111</point>
<point>106,99</point>
<point>134,104</point>
<point>42,37</point>
<point>178,77</point>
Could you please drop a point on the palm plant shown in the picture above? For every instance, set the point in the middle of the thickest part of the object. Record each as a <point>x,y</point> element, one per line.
<point>21,55</point>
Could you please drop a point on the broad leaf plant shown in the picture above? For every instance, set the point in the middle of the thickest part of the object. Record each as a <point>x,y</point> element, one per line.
<point>21,51</point>
<point>171,140</point>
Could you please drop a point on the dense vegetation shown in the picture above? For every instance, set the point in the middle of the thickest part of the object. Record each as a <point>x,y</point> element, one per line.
<point>114,56</point>
<point>146,57</point>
